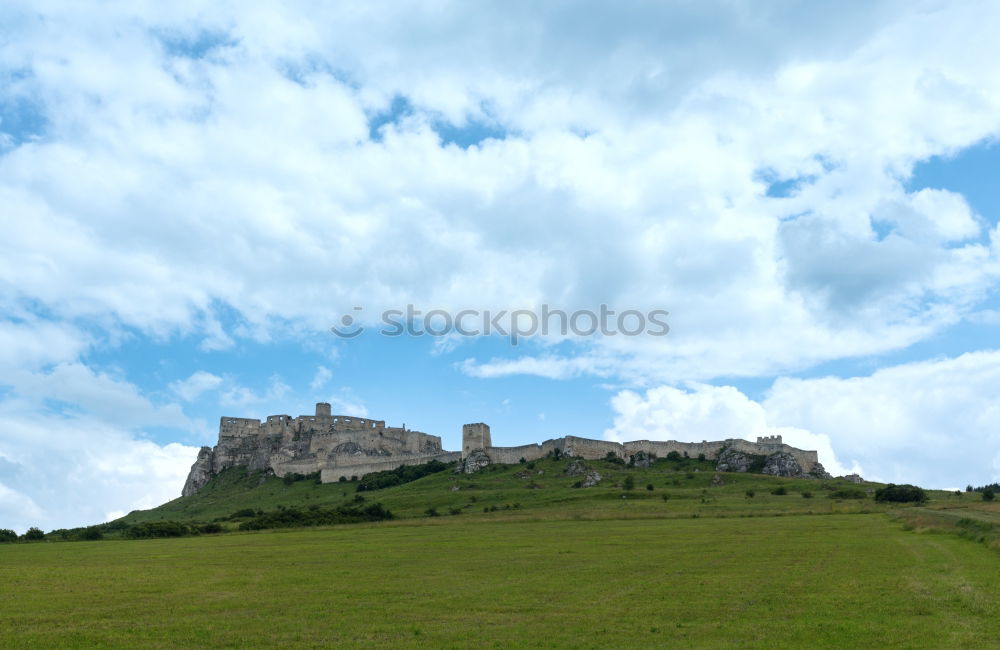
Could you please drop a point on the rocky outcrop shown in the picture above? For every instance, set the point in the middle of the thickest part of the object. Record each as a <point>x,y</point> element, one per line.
<point>591,479</point>
<point>818,471</point>
<point>731,460</point>
<point>576,468</point>
<point>782,464</point>
<point>852,478</point>
<point>200,474</point>
<point>474,462</point>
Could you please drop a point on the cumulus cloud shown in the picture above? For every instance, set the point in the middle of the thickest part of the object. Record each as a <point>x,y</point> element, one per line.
<point>199,382</point>
<point>931,422</point>
<point>63,471</point>
<point>702,412</point>
<point>661,173</point>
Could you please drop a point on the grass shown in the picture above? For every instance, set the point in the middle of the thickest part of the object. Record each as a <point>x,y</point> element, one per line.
<point>544,490</point>
<point>833,581</point>
<point>546,565</point>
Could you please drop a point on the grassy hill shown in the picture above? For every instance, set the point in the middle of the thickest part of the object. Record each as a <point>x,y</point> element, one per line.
<point>526,560</point>
<point>539,489</point>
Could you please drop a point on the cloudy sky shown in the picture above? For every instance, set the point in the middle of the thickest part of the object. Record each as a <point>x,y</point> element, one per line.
<point>192,194</point>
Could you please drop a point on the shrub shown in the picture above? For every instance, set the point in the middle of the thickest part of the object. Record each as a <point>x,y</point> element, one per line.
<point>454,511</point>
<point>674,456</point>
<point>7,535</point>
<point>152,529</point>
<point>92,533</point>
<point>988,495</point>
<point>33,534</point>
<point>431,512</point>
<point>522,461</point>
<point>689,475</point>
<point>900,494</point>
<point>400,475</point>
<point>701,458</point>
<point>649,486</point>
<point>807,495</point>
<point>628,483</point>
<point>612,458</point>
<point>530,465</point>
<point>750,494</point>
<point>293,517</point>
<point>210,529</point>
<point>245,512</point>
<point>665,497</point>
<point>848,493</point>
<point>780,490</point>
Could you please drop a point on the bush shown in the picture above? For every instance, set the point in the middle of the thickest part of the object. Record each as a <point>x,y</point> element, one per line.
<point>750,494</point>
<point>454,511</point>
<point>988,495</point>
<point>92,534</point>
<point>848,493</point>
<point>807,495</point>
<point>628,483</point>
<point>901,494</point>
<point>780,490</point>
<point>612,458</point>
<point>33,534</point>
<point>244,513</point>
<point>649,486</point>
<point>701,458</point>
<point>400,475</point>
<point>674,456</point>
<point>431,512</point>
<point>7,536</point>
<point>665,497</point>
<point>293,517</point>
<point>210,529</point>
<point>152,529</point>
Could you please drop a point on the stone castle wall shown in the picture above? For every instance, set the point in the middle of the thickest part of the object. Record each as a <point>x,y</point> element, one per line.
<point>596,449</point>
<point>345,446</point>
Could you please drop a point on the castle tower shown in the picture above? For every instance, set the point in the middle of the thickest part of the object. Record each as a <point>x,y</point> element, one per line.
<point>475,436</point>
<point>323,409</point>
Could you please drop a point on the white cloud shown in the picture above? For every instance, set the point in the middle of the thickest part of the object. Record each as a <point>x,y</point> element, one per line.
<point>60,471</point>
<point>199,382</point>
<point>321,378</point>
<point>702,412</point>
<point>933,423</point>
<point>642,149</point>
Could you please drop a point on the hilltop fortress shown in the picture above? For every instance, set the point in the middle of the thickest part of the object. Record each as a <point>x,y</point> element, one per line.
<point>345,447</point>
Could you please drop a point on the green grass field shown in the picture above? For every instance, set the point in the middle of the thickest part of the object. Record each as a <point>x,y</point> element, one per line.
<point>817,581</point>
<point>708,567</point>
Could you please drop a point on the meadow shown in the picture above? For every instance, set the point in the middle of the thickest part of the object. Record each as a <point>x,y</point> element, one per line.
<point>710,566</point>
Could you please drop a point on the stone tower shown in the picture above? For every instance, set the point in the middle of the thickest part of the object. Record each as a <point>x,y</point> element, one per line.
<point>475,436</point>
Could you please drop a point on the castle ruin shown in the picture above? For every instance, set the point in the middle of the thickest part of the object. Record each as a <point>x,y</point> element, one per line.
<point>346,447</point>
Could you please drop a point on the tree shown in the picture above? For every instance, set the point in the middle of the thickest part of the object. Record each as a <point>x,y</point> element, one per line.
<point>629,483</point>
<point>988,495</point>
<point>7,535</point>
<point>93,533</point>
<point>34,534</point>
<point>674,456</point>
<point>901,494</point>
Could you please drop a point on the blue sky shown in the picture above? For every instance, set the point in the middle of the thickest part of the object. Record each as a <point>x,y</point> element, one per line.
<point>191,195</point>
